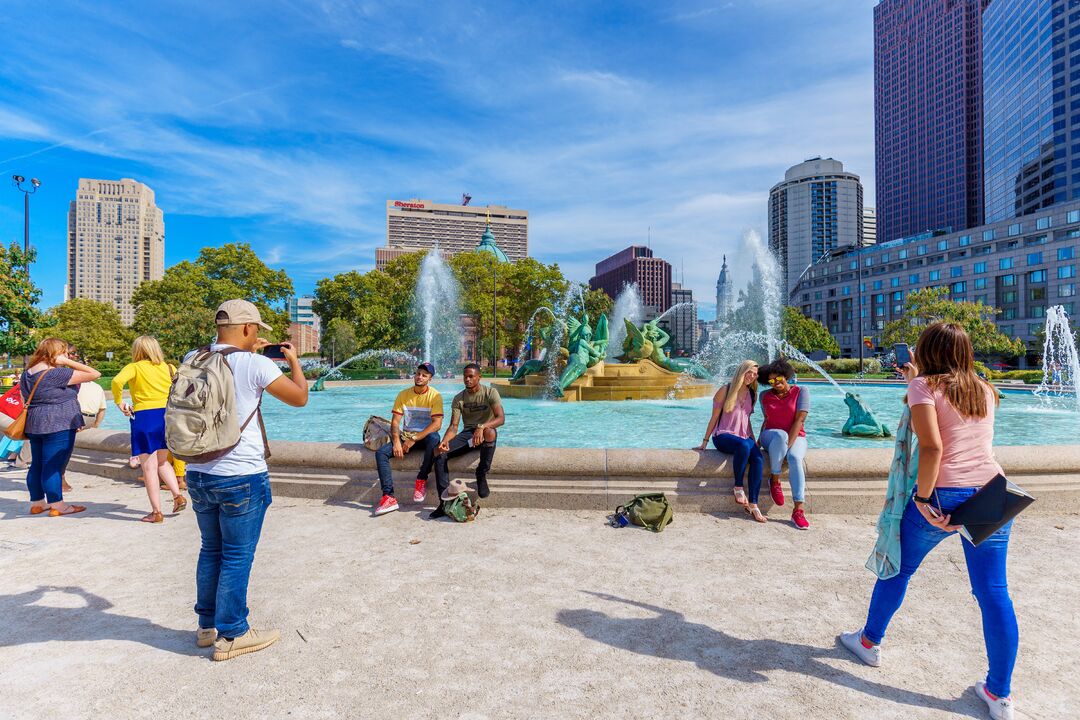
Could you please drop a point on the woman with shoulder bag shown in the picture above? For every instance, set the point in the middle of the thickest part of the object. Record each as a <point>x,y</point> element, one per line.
<point>50,392</point>
<point>149,378</point>
<point>952,413</point>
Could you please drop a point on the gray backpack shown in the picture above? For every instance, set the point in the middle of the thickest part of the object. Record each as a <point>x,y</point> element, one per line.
<point>200,417</point>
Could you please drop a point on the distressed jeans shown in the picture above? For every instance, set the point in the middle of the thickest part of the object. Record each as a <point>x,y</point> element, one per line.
<point>775,441</point>
<point>986,572</point>
<point>230,512</point>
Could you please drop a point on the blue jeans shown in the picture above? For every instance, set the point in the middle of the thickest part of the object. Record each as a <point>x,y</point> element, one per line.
<point>775,441</point>
<point>230,512</point>
<point>743,452</point>
<point>427,445</point>
<point>50,454</point>
<point>986,571</point>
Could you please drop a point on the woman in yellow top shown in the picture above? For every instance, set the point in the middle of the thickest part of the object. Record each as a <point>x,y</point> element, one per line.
<point>148,378</point>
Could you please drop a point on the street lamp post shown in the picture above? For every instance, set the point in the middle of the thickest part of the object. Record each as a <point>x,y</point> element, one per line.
<point>18,180</point>
<point>859,339</point>
<point>487,245</point>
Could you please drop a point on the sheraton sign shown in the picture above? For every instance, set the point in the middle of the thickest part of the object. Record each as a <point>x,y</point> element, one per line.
<point>408,205</point>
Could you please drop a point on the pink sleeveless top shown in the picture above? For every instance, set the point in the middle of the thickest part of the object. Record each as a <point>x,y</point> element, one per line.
<point>736,422</point>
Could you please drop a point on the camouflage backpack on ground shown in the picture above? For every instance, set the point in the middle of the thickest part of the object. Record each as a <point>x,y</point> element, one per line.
<point>462,508</point>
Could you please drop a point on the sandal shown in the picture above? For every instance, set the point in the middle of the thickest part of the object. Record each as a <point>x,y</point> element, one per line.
<point>153,517</point>
<point>740,496</point>
<point>71,510</point>
<point>38,509</point>
<point>755,513</point>
<point>178,503</point>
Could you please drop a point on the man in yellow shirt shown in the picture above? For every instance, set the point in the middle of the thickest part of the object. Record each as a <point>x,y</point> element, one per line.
<point>417,419</point>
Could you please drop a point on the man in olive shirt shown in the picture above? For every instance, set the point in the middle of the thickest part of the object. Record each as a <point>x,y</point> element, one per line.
<point>480,409</point>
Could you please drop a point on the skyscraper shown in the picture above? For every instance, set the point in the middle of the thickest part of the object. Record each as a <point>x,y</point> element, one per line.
<point>869,226</point>
<point>725,293</point>
<point>1031,93</point>
<point>116,240</point>
<point>681,324</point>
<point>415,225</point>
<point>816,209</point>
<point>636,264</point>
<point>928,115</point>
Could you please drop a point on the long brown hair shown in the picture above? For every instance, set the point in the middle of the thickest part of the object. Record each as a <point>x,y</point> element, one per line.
<point>946,358</point>
<point>47,351</point>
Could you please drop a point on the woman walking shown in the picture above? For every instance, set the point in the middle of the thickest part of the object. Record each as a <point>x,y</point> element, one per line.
<point>785,407</point>
<point>149,377</point>
<point>729,428</point>
<point>50,392</point>
<point>952,413</point>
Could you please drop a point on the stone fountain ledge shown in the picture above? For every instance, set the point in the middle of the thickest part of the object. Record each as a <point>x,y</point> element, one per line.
<point>840,481</point>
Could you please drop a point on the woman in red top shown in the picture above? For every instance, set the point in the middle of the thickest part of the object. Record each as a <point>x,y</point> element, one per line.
<point>785,407</point>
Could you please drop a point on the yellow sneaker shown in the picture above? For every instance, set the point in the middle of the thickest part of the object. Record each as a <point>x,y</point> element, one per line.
<point>251,641</point>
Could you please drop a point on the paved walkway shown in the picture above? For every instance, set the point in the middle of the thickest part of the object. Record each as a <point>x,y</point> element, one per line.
<point>523,614</point>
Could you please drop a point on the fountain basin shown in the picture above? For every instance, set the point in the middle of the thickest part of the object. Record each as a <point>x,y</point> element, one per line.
<point>839,480</point>
<point>642,380</point>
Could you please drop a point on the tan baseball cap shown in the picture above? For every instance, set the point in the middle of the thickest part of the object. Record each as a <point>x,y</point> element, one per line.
<point>239,312</point>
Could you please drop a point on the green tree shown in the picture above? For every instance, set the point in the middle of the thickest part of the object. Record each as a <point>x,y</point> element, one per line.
<point>806,334</point>
<point>339,340</point>
<point>923,307</point>
<point>93,327</point>
<point>19,296</point>
<point>179,309</point>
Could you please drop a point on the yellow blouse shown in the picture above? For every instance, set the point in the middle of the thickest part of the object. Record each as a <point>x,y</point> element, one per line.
<point>149,384</point>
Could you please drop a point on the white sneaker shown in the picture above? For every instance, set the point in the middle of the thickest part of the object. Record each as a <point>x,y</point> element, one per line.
<point>1000,709</point>
<point>853,642</point>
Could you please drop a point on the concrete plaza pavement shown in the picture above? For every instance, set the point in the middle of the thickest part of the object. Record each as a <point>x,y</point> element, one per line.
<point>522,614</point>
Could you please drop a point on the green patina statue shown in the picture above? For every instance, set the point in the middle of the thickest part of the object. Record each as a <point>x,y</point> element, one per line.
<point>585,346</point>
<point>861,421</point>
<point>647,343</point>
<point>534,366</point>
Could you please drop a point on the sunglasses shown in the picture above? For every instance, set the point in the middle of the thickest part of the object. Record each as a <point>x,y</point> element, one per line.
<point>777,380</point>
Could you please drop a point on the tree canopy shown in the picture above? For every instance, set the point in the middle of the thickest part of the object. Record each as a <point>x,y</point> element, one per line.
<point>806,334</point>
<point>95,328</point>
<point>922,307</point>
<point>179,309</point>
<point>378,304</point>
<point>19,296</point>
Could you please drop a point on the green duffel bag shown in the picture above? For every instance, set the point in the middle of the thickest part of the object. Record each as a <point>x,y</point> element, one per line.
<point>651,511</point>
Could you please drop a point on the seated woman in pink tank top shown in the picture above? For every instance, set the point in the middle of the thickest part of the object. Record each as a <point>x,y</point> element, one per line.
<point>730,431</point>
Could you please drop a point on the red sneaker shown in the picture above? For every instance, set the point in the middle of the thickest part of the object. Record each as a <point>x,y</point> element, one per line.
<point>799,518</point>
<point>777,492</point>
<point>420,491</point>
<point>387,505</point>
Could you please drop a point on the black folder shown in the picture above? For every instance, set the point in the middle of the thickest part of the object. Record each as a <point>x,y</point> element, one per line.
<point>985,512</point>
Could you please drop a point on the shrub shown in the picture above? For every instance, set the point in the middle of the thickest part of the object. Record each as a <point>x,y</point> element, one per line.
<point>1033,377</point>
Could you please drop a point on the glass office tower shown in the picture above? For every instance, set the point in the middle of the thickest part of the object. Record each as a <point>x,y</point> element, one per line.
<point>1031,67</point>
<point>928,115</point>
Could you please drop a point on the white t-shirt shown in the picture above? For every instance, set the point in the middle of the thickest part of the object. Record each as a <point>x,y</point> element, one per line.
<point>251,373</point>
<point>91,399</point>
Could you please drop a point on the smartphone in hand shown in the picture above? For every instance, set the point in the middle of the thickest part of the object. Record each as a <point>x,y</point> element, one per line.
<point>274,352</point>
<point>903,354</point>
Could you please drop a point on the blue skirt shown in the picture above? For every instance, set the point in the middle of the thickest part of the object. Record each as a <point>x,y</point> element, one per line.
<point>148,431</point>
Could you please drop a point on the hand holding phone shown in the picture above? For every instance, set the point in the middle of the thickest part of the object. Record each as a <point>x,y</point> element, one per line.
<point>273,351</point>
<point>903,354</point>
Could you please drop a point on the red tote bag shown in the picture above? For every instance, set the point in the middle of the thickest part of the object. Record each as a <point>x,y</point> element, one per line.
<point>11,402</point>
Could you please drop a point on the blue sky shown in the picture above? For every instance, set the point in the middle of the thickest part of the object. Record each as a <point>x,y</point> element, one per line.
<point>289,123</point>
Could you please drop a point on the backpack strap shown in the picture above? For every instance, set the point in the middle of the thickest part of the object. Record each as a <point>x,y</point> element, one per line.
<point>262,427</point>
